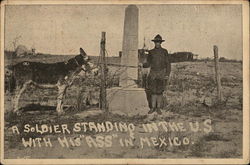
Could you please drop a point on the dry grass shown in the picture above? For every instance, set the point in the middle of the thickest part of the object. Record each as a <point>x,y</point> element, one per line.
<point>191,96</point>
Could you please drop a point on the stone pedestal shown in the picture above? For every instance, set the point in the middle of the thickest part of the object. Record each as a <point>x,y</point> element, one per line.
<point>127,101</point>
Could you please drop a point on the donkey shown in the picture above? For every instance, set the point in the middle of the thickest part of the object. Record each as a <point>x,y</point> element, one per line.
<point>50,75</point>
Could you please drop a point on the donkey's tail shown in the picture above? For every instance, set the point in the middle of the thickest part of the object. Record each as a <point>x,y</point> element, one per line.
<point>9,80</point>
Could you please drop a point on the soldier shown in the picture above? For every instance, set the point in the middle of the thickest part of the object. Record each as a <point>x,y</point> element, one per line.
<point>160,67</point>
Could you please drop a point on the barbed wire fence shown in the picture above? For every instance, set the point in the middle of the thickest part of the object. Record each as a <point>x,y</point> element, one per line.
<point>113,75</point>
<point>110,76</point>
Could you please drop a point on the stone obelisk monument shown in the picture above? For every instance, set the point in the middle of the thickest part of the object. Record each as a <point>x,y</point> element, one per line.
<point>130,48</point>
<point>128,99</point>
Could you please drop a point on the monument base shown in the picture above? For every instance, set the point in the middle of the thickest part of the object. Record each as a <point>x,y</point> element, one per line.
<point>127,101</point>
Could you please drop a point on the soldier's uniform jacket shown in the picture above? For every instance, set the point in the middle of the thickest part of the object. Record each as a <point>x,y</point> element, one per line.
<point>159,62</point>
<point>160,67</point>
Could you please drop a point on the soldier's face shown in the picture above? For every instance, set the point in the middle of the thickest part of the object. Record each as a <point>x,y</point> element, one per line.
<point>157,44</point>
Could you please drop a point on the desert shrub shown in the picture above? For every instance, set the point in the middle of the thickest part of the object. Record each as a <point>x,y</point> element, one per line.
<point>88,89</point>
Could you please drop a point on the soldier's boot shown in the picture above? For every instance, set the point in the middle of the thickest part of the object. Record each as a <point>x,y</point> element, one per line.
<point>153,104</point>
<point>158,110</point>
<point>151,111</point>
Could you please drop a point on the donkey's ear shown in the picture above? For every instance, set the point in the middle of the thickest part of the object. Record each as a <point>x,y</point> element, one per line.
<point>82,52</point>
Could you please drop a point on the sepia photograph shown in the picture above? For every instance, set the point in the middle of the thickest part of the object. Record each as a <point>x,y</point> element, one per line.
<point>124,82</point>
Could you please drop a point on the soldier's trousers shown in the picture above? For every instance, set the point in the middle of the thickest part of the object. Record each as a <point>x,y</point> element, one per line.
<point>157,101</point>
<point>155,91</point>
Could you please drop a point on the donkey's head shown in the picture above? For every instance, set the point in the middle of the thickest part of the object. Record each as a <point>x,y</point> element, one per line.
<point>83,60</point>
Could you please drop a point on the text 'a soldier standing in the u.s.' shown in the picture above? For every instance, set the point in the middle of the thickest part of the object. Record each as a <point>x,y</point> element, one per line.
<point>160,67</point>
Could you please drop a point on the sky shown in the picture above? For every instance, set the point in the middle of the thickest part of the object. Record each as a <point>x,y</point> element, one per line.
<point>63,29</point>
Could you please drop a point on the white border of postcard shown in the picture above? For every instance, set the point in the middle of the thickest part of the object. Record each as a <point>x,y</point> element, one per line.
<point>246,75</point>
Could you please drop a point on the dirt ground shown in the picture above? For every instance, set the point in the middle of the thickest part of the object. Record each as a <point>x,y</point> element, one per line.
<point>191,97</point>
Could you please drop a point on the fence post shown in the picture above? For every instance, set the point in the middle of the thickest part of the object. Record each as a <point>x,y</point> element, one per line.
<point>103,99</point>
<point>217,73</point>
